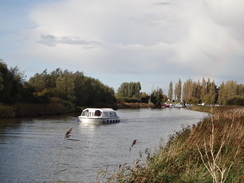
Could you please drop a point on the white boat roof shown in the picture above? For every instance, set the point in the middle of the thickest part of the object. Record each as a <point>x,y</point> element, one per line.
<point>101,109</point>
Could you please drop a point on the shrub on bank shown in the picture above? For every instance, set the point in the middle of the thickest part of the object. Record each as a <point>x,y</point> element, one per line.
<point>7,111</point>
<point>236,101</point>
<point>126,105</point>
<point>211,151</point>
<point>128,99</point>
<point>56,106</point>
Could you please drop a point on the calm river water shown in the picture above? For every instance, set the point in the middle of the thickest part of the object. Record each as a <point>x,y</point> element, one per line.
<point>29,148</point>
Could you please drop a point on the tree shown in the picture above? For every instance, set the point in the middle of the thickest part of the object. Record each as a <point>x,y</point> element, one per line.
<point>176,91</point>
<point>72,87</point>
<point>221,94</point>
<point>203,90</point>
<point>188,91</point>
<point>164,98</point>
<point>156,97</point>
<point>170,91</point>
<point>129,91</point>
<point>179,90</point>
<point>11,84</point>
<point>213,93</point>
<point>240,90</point>
<point>144,97</point>
<point>65,85</point>
<point>195,92</point>
<point>1,82</point>
<point>40,81</point>
<point>231,89</point>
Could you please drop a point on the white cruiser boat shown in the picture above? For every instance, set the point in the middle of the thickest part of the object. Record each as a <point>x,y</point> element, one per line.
<point>98,116</point>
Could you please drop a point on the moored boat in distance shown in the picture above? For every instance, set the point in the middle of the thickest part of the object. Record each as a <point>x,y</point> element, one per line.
<point>165,105</point>
<point>98,116</point>
<point>178,105</point>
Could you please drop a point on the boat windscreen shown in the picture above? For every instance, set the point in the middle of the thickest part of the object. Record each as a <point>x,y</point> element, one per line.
<point>98,113</point>
<point>84,113</point>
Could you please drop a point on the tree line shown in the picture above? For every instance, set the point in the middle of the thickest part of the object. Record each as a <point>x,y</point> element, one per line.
<point>74,87</point>
<point>131,92</point>
<point>42,88</point>
<point>80,90</point>
<point>206,91</point>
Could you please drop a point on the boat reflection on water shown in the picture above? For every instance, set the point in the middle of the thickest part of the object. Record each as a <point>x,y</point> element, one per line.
<point>91,128</point>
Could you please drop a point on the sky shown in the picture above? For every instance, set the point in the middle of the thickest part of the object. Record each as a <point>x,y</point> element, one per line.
<point>148,41</point>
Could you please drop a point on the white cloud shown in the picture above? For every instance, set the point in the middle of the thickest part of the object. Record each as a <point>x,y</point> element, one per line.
<point>141,37</point>
<point>207,42</point>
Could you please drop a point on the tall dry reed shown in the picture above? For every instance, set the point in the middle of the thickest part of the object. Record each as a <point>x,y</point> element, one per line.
<point>210,151</point>
<point>56,171</point>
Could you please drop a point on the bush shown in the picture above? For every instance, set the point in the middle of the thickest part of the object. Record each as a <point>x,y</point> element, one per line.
<point>43,108</point>
<point>237,100</point>
<point>128,99</point>
<point>7,111</point>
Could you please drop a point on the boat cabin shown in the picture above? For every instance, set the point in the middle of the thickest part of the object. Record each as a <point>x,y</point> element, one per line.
<point>90,112</point>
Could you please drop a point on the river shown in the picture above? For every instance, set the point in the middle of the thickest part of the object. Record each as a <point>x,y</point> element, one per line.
<point>31,149</point>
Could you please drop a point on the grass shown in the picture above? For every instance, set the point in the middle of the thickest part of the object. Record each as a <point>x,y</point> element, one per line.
<point>210,151</point>
<point>213,109</point>
<point>56,171</point>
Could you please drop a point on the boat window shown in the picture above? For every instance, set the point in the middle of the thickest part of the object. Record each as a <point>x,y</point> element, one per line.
<point>98,113</point>
<point>85,113</point>
<point>111,114</point>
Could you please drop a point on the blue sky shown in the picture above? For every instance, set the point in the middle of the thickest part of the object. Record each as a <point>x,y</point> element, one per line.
<point>153,42</point>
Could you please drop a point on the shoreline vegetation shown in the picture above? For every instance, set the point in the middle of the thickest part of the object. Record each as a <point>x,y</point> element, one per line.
<point>62,92</point>
<point>210,151</point>
<point>56,107</point>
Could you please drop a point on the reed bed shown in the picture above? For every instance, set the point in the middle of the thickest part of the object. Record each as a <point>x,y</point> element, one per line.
<point>210,151</point>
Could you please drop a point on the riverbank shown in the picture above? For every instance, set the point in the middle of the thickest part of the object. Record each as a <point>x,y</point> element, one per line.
<point>210,151</point>
<point>55,107</point>
<point>126,105</point>
<point>215,109</point>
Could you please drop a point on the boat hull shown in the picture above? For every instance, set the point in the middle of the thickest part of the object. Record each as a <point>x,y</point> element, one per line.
<point>98,120</point>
